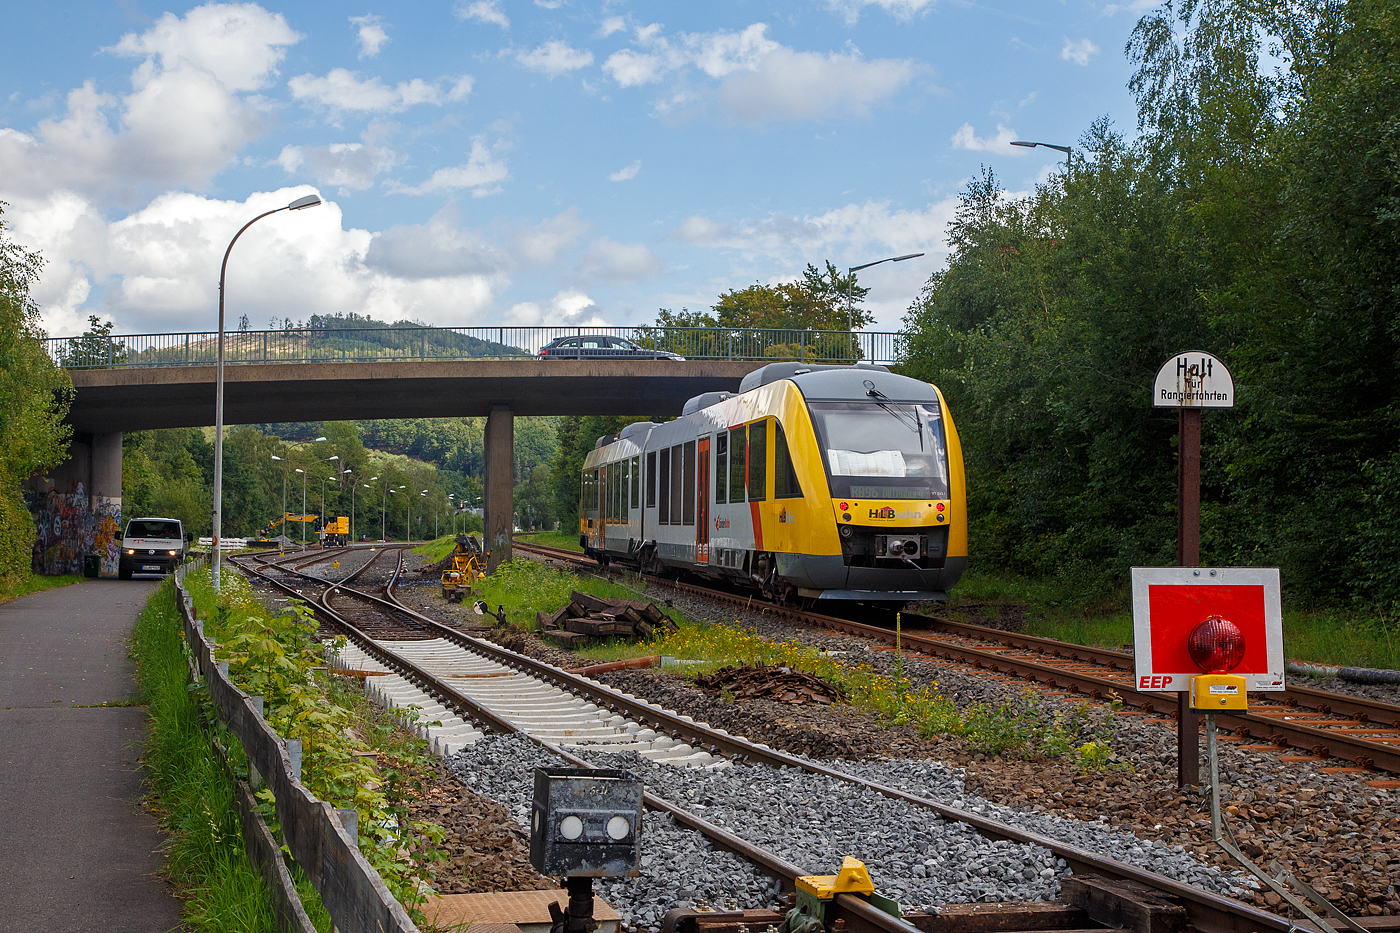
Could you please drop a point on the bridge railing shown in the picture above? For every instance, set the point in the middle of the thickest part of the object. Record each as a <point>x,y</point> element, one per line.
<point>374,344</point>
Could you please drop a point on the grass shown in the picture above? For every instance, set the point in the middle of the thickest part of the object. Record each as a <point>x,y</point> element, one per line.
<point>37,583</point>
<point>526,587</point>
<point>192,793</point>
<point>1319,636</point>
<point>559,539</point>
<point>279,658</point>
<point>437,549</point>
<point>1024,729</point>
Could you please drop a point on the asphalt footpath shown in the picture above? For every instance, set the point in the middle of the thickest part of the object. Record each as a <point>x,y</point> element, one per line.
<point>77,850</point>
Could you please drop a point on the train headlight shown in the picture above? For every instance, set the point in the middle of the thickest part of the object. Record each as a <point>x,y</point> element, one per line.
<point>846,529</point>
<point>845,516</point>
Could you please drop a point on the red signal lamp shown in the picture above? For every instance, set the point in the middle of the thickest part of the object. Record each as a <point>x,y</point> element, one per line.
<point>1216,645</point>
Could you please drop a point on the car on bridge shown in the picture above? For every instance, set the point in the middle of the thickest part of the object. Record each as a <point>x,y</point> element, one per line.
<point>600,347</point>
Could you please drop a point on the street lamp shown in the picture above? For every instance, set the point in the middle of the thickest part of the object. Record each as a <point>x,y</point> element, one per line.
<point>302,518</point>
<point>353,484</point>
<point>1031,145</point>
<point>283,524</point>
<point>887,259</point>
<point>330,459</point>
<point>310,200</point>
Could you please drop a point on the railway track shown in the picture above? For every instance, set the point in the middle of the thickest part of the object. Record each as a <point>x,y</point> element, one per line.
<point>458,680</point>
<point>1323,724</point>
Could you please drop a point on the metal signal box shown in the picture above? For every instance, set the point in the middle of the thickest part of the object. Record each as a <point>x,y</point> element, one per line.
<point>586,823</point>
<point>1214,692</point>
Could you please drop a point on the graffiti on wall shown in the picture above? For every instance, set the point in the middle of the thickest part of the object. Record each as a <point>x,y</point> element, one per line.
<point>69,527</point>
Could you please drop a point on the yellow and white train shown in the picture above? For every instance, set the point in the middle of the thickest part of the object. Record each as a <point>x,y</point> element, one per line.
<point>824,482</point>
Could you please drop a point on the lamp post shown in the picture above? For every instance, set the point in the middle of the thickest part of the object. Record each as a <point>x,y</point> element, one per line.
<point>302,518</point>
<point>331,459</point>
<point>353,484</point>
<point>886,259</point>
<point>310,200</point>
<point>1030,145</point>
<point>283,523</point>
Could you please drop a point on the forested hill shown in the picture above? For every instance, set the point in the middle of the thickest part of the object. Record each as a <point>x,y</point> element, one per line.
<point>1256,216</point>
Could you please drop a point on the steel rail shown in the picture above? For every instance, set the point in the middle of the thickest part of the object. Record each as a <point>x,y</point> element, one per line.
<point>1210,913</point>
<point>858,915</point>
<point>1324,743</point>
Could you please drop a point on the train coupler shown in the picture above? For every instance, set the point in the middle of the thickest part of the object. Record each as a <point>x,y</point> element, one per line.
<point>815,892</point>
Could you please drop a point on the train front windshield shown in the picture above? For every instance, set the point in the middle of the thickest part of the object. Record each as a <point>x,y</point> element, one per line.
<point>883,449</point>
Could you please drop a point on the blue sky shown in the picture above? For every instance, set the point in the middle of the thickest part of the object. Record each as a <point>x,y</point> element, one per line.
<point>506,162</point>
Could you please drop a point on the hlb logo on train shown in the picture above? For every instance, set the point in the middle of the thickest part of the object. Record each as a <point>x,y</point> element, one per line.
<point>889,512</point>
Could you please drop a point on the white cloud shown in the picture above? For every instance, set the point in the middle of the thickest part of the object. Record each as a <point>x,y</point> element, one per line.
<point>347,166</point>
<point>437,249</point>
<point>630,68</point>
<point>611,25</point>
<point>799,85</point>
<point>967,138</point>
<point>549,4</point>
<point>899,9</point>
<point>760,79</point>
<point>370,34</point>
<point>461,88</point>
<point>700,230</point>
<point>1079,51</point>
<point>569,308</point>
<point>555,58</point>
<point>628,173</point>
<point>1136,7</point>
<point>239,44</point>
<point>609,261</point>
<point>541,243</point>
<point>181,123</point>
<point>480,173</point>
<point>484,11</point>
<point>156,262</point>
<point>1027,100</point>
<point>342,89</point>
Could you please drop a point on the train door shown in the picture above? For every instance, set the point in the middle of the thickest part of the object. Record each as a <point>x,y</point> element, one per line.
<point>702,499</point>
<point>599,537</point>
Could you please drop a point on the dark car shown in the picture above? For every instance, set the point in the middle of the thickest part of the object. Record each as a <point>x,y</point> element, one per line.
<point>600,347</point>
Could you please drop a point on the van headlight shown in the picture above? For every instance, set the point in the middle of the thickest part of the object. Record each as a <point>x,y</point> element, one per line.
<point>171,553</point>
<point>131,550</point>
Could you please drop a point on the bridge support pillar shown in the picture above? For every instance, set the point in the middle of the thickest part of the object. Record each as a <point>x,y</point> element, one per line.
<point>500,484</point>
<point>77,507</point>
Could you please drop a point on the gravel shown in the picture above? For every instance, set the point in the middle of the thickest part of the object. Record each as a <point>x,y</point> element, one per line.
<point>915,857</point>
<point>679,868</point>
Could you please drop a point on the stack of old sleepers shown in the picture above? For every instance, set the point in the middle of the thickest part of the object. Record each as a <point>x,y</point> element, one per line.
<point>588,618</point>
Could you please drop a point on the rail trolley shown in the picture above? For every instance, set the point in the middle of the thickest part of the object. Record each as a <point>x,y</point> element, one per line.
<point>823,482</point>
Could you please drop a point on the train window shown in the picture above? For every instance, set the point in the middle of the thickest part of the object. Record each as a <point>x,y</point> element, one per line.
<point>676,485</point>
<point>721,467</point>
<point>651,480</point>
<point>663,514</point>
<point>758,461</point>
<point>737,445</point>
<point>636,482</point>
<point>785,485</point>
<point>688,487</point>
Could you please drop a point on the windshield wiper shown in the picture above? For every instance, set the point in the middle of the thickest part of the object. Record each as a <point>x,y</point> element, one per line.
<point>912,422</point>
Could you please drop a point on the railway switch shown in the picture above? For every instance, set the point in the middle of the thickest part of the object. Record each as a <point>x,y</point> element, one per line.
<point>585,823</point>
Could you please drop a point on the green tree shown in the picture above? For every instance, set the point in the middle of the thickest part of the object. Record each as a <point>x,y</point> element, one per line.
<point>34,397</point>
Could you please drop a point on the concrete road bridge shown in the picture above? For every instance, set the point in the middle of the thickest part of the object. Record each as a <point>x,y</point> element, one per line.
<point>138,382</point>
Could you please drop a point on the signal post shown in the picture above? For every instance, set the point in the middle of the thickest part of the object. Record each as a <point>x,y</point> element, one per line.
<point>1189,382</point>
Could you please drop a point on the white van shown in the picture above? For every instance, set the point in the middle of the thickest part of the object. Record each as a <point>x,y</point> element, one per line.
<point>151,545</point>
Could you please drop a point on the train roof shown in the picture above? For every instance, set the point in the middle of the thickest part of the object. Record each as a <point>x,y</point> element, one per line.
<point>841,382</point>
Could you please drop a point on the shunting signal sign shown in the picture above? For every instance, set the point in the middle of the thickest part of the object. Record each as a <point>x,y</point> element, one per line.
<point>1193,379</point>
<point>1169,602</point>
